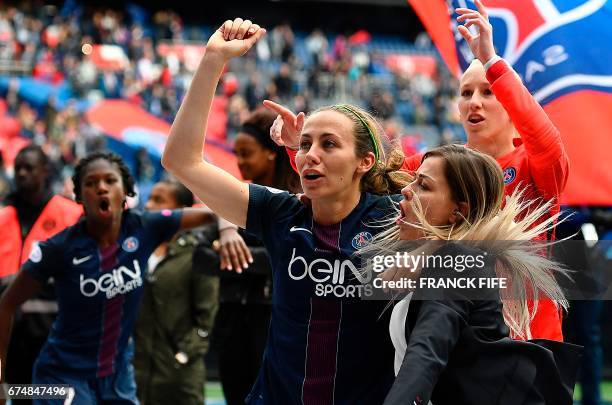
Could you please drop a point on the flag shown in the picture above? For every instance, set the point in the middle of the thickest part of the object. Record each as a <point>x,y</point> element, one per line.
<point>561,50</point>
<point>129,127</point>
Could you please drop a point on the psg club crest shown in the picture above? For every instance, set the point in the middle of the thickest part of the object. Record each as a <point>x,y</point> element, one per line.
<point>509,175</point>
<point>361,239</point>
<point>130,244</point>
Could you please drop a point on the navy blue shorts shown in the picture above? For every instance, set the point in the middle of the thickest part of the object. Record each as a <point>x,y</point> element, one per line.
<point>115,389</point>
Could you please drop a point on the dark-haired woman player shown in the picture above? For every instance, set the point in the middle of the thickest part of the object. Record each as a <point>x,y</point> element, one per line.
<point>325,345</point>
<point>98,266</point>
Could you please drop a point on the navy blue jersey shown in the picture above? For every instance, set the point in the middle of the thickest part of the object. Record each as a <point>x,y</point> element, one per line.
<point>325,344</point>
<point>98,291</point>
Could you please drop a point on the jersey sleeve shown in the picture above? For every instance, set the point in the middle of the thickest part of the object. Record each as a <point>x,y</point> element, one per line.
<point>546,324</point>
<point>291,153</point>
<point>267,208</point>
<point>412,163</point>
<point>548,161</point>
<point>162,225</point>
<point>45,260</point>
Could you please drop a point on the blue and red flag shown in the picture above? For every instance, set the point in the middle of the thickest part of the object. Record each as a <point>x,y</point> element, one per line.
<point>562,51</point>
<point>129,128</point>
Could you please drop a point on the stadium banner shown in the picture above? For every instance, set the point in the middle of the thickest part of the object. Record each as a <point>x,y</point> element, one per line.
<point>129,128</point>
<point>409,65</point>
<point>560,48</point>
<point>189,54</point>
<point>107,57</point>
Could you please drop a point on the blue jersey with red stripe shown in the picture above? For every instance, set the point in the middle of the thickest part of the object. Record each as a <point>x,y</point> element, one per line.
<point>326,345</point>
<point>98,292</point>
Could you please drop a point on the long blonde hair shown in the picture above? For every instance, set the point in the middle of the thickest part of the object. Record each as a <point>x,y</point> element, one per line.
<point>477,180</point>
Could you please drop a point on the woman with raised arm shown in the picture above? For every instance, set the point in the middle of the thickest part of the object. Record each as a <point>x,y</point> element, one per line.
<point>503,120</point>
<point>325,345</point>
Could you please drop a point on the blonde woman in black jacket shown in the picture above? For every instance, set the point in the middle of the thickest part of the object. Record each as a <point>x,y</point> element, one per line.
<point>452,345</point>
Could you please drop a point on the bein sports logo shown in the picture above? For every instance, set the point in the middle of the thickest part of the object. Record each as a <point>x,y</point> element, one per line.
<point>556,46</point>
<point>329,276</point>
<point>118,281</point>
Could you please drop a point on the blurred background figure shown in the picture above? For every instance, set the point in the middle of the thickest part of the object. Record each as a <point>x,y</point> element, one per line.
<point>32,214</point>
<point>176,315</point>
<point>5,184</point>
<point>588,252</point>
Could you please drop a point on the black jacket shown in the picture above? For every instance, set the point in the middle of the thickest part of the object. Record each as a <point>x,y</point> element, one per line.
<point>253,286</point>
<point>458,352</point>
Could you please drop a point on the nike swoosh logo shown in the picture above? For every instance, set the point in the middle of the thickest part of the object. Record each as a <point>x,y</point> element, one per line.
<point>76,261</point>
<point>295,228</point>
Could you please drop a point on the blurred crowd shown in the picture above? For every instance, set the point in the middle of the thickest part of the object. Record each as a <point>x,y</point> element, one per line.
<point>58,45</point>
<point>55,45</point>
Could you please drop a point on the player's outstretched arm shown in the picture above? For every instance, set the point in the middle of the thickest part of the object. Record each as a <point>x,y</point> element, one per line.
<point>223,193</point>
